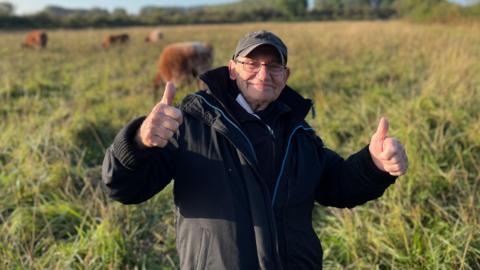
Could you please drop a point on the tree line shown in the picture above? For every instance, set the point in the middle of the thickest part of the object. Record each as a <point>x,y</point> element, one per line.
<point>241,11</point>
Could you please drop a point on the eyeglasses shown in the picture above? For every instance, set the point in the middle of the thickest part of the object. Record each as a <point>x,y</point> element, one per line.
<point>254,67</point>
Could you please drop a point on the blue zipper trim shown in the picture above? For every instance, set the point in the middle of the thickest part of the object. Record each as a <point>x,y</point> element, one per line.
<point>230,121</point>
<point>277,184</point>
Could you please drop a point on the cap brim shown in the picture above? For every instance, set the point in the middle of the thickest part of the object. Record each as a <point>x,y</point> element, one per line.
<point>248,50</point>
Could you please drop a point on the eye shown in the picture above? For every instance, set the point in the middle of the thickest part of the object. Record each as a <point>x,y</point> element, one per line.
<point>276,69</point>
<point>251,66</point>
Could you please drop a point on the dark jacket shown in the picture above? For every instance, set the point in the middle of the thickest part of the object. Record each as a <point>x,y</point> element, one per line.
<point>226,216</point>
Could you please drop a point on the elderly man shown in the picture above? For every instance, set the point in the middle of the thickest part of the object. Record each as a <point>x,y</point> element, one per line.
<point>247,167</point>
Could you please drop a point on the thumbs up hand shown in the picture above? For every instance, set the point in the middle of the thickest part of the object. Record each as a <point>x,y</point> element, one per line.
<point>388,153</point>
<point>162,122</point>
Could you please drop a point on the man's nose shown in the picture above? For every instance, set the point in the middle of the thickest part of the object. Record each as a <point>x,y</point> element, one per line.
<point>262,73</point>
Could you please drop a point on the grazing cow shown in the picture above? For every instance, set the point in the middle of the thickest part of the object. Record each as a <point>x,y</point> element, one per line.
<point>154,36</point>
<point>183,62</point>
<point>110,40</point>
<point>35,39</point>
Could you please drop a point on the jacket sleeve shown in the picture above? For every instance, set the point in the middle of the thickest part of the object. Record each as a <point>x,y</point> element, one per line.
<point>351,182</point>
<point>133,175</point>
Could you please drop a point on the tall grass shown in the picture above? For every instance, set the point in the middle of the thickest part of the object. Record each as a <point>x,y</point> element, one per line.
<point>61,107</point>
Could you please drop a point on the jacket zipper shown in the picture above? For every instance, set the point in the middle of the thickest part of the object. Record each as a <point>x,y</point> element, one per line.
<point>282,168</point>
<point>264,186</point>
<point>231,122</point>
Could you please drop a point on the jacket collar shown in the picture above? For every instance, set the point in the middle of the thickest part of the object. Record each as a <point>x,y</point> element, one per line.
<point>225,89</point>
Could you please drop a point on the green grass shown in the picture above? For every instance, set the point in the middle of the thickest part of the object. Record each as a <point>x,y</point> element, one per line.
<point>61,107</point>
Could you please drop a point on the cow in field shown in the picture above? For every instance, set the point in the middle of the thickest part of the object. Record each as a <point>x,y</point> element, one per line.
<point>154,36</point>
<point>110,40</point>
<point>183,62</point>
<point>35,39</point>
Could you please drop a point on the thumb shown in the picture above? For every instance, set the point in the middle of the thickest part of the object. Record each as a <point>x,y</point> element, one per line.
<point>382,129</point>
<point>376,143</point>
<point>168,94</point>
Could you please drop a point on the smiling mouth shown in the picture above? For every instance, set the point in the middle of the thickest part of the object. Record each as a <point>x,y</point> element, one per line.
<point>262,85</point>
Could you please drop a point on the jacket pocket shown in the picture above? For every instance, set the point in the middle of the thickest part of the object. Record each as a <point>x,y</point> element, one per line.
<point>203,251</point>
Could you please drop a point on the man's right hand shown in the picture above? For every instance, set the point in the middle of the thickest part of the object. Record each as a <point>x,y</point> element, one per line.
<point>162,122</point>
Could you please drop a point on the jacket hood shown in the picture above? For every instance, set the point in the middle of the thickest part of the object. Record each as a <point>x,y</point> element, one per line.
<point>221,87</point>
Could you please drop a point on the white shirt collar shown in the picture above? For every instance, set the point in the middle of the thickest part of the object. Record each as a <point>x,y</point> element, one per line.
<point>243,102</point>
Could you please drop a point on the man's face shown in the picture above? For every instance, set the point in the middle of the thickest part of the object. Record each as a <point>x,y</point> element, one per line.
<point>261,87</point>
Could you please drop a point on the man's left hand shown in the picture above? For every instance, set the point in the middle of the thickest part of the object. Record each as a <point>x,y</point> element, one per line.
<point>387,153</point>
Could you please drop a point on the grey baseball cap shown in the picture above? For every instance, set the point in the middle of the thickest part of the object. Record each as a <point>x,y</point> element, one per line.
<point>254,39</point>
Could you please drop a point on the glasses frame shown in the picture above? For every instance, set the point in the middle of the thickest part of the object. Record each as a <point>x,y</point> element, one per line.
<point>267,66</point>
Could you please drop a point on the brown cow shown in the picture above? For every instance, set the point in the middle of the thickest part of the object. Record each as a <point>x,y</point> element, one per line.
<point>183,62</point>
<point>154,36</point>
<point>110,40</point>
<point>35,39</point>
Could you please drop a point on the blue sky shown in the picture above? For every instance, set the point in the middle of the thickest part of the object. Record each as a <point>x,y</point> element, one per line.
<point>132,6</point>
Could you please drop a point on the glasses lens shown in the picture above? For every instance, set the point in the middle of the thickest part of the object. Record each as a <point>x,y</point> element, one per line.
<point>276,69</point>
<point>251,66</point>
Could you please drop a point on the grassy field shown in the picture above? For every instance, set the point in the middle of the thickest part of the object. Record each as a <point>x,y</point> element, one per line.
<point>61,107</point>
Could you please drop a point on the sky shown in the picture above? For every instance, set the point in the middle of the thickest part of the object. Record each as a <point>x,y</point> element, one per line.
<point>132,6</point>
